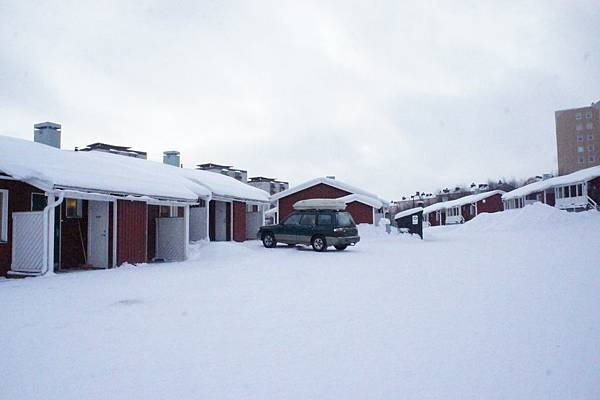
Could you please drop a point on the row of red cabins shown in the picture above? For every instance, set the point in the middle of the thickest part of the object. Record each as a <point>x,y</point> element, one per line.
<point>62,210</point>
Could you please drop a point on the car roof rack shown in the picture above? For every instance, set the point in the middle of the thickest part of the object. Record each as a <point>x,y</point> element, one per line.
<point>320,204</point>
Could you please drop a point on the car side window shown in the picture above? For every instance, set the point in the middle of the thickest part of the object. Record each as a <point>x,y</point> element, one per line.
<point>308,220</point>
<point>293,219</point>
<point>325,219</point>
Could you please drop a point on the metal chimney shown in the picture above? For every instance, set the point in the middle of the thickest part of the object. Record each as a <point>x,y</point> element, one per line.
<point>172,158</point>
<point>47,133</point>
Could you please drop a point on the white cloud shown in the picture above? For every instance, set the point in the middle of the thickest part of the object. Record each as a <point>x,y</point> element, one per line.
<point>393,96</point>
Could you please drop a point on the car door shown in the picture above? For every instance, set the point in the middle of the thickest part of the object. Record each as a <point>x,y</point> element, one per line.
<point>306,229</point>
<point>288,229</point>
<point>325,224</point>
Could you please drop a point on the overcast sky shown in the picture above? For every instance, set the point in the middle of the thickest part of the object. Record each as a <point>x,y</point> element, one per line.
<point>391,96</point>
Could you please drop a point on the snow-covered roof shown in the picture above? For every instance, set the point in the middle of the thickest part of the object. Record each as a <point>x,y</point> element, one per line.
<point>406,213</point>
<point>320,204</point>
<point>361,198</point>
<point>575,177</point>
<point>272,211</point>
<point>330,182</point>
<point>50,168</point>
<point>224,186</point>
<point>471,199</point>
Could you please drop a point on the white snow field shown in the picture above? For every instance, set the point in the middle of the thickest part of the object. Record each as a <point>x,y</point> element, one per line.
<point>506,306</point>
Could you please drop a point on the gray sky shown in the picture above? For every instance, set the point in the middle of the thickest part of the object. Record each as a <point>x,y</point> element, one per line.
<point>392,96</point>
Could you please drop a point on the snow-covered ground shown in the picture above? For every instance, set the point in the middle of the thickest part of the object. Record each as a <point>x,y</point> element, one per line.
<point>504,307</point>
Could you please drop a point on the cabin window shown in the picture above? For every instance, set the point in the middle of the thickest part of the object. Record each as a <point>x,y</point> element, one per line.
<point>168,212</point>
<point>74,208</point>
<point>3,215</point>
<point>38,201</point>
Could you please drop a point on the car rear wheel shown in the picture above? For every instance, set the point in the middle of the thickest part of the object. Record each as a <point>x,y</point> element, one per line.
<point>319,244</point>
<point>341,247</point>
<point>269,240</point>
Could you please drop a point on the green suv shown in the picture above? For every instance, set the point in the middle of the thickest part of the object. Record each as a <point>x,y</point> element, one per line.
<point>318,228</point>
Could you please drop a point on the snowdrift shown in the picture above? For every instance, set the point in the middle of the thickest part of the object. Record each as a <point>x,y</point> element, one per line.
<point>536,216</point>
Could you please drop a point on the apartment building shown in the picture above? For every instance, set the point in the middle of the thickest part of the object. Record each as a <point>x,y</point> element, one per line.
<point>239,174</point>
<point>578,138</point>
<point>269,185</point>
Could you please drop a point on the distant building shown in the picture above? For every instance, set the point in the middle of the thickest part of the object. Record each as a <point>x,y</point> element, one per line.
<point>269,185</point>
<point>120,150</point>
<point>578,138</point>
<point>239,174</point>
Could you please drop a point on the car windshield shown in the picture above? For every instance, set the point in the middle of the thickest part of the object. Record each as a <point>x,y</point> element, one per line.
<point>344,219</point>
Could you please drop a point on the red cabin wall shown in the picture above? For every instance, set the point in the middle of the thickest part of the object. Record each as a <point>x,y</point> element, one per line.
<point>132,224</point>
<point>239,221</point>
<point>361,213</point>
<point>319,191</point>
<point>550,199</point>
<point>492,204</point>
<point>19,200</point>
<point>212,221</point>
<point>465,210</point>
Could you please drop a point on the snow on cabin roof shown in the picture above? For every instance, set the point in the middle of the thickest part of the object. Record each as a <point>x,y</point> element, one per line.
<point>406,213</point>
<point>582,175</point>
<point>224,186</point>
<point>272,211</point>
<point>330,182</point>
<point>370,201</point>
<point>50,168</point>
<point>473,198</point>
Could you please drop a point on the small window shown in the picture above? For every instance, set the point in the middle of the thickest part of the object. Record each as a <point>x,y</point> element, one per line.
<point>590,136</point>
<point>578,116</point>
<point>325,219</point>
<point>344,219</point>
<point>591,159</point>
<point>579,127</point>
<point>588,115</point>
<point>73,208</point>
<point>591,147</point>
<point>589,126</point>
<point>573,191</point>
<point>3,215</point>
<point>579,190</point>
<point>580,160</point>
<point>580,138</point>
<point>38,201</point>
<point>293,219</point>
<point>580,149</point>
<point>167,212</point>
<point>308,220</point>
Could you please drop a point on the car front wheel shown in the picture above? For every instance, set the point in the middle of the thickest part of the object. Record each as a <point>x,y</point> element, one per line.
<point>269,240</point>
<point>319,243</point>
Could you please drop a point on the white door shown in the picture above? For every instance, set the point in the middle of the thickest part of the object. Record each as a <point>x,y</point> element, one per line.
<point>98,234</point>
<point>220,221</point>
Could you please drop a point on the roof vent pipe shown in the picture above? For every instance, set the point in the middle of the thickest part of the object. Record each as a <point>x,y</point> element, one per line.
<point>172,158</point>
<point>330,177</point>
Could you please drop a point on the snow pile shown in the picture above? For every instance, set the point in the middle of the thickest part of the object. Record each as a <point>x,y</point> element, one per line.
<point>374,233</point>
<point>536,216</point>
